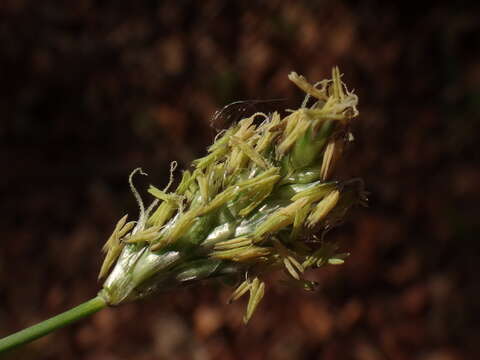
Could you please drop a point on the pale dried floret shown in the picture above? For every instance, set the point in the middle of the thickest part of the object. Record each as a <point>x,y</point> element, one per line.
<point>245,253</point>
<point>281,218</point>
<point>250,152</point>
<point>233,243</point>
<point>257,290</point>
<point>113,246</point>
<point>327,160</point>
<point>293,267</point>
<point>323,208</point>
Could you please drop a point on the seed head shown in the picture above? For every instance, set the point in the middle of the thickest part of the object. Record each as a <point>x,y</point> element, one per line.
<point>252,204</point>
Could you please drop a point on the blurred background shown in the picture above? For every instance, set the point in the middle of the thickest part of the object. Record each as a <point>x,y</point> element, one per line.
<point>90,90</point>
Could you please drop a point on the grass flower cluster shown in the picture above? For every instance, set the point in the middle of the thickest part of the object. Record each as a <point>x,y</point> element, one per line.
<point>261,199</point>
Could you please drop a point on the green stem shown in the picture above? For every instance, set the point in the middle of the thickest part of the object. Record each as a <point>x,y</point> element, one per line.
<point>34,332</point>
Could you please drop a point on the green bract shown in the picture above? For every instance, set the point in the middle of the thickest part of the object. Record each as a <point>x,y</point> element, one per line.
<point>251,205</point>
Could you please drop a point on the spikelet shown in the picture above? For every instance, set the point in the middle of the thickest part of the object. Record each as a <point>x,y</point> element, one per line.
<point>246,207</point>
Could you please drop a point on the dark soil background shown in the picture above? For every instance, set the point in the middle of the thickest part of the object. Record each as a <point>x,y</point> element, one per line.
<point>91,90</point>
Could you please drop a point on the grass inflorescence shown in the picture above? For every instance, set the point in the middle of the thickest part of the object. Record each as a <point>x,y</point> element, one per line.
<point>261,199</point>
<point>254,203</point>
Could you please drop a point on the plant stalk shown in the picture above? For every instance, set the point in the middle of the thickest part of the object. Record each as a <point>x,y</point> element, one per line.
<point>41,329</point>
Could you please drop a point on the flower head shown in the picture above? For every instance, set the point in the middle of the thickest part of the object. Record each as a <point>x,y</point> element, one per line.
<point>252,204</point>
